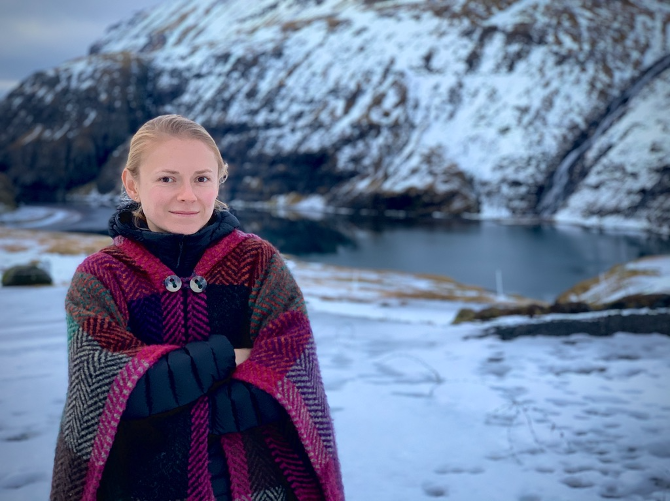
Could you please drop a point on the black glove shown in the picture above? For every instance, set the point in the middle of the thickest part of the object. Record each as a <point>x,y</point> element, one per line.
<point>236,406</point>
<point>181,376</point>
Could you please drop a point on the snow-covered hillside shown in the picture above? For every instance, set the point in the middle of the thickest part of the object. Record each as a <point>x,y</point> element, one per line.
<point>646,276</point>
<point>508,108</point>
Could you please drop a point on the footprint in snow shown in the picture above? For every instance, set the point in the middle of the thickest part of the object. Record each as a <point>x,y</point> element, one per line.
<point>435,490</point>
<point>21,479</point>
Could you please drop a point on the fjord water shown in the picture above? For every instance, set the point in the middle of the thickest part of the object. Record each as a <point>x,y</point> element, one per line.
<point>538,261</point>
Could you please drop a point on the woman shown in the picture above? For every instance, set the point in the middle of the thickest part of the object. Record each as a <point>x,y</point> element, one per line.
<point>192,366</point>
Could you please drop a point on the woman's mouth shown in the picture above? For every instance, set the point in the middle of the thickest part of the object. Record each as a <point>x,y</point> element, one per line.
<point>184,213</point>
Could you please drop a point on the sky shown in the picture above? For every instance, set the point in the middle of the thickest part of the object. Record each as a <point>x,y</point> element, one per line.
<point>423,409</point>
<point>40,34</point>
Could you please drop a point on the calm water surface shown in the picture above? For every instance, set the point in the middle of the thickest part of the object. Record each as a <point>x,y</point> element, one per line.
<point>539,261</point>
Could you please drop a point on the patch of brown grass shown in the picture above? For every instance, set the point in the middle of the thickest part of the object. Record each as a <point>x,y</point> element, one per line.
<point>437,295</point>
<point>70,246</point>
<point>329,298</point>
<point>51,242</point>
<point>577,290</point>
<point>618,272</point>
<point>13,248</point>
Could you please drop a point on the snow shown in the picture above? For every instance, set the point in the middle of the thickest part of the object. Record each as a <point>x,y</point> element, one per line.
<point>423,410</point>
<point>645,276</point>
<point>622,176</point>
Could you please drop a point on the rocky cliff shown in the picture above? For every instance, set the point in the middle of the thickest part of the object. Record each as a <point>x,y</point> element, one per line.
<point>503,109</point>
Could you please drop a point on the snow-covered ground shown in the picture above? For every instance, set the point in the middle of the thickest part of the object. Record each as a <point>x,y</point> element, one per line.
<point>423,410</point>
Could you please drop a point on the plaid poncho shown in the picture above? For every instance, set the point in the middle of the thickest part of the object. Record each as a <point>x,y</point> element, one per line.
<point>120,291</point>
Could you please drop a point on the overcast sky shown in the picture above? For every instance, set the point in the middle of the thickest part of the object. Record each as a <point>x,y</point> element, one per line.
<point>40,34</point>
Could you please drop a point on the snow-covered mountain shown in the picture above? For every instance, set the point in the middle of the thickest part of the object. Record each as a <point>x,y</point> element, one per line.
<point>505,108</point>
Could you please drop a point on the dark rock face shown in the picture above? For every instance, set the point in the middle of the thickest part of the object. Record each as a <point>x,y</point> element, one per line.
<point>59,127</point>
<point>26,275</point>
<point>289,235</point>
<point>655,301</point>
<point>263,176</point>
<point>450,192</point>
<point>7,198</point>
<point>109,178</point>
<point>606,325</point>
<point>609,320</point>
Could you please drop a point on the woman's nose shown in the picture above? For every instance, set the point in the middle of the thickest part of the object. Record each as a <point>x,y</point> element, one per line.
<point>186,192</point>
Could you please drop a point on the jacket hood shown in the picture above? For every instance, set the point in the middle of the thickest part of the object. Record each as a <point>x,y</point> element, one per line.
<point>179,252</point>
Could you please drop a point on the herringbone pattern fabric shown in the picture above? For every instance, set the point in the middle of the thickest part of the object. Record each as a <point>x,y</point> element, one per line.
<point>284,364</point>
<point>199,485</point>
<point>121,320</point>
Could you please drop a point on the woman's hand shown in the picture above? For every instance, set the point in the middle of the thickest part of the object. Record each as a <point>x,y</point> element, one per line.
<point>241,355</point>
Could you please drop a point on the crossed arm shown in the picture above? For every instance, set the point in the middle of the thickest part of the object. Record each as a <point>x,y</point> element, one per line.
<point>203,368</point>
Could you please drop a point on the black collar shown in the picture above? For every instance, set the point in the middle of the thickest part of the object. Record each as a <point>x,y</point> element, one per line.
<point>180,253</point>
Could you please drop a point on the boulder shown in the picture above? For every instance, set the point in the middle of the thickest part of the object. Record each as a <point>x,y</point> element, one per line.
<point>26,275</point>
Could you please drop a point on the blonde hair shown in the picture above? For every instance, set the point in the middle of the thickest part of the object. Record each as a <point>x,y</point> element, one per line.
<point>171,126</point>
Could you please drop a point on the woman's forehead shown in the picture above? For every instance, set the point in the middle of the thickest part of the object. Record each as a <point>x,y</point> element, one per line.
<point>178,154</point>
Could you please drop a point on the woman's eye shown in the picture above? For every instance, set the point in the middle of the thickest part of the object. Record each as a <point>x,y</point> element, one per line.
<point>165,179</point>
<point>203,179</point>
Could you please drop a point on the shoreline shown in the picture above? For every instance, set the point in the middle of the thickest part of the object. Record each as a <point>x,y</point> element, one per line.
<point>44,215</point>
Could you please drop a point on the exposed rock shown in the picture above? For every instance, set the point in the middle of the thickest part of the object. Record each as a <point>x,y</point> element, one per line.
<point>465,315</point>
<point>569,308</point>
<point>638,301</point>
<point>7,199</point>
<point>26,275</point>
<point>449,192</point>
<point>289,236</point>
<point>606,324</point>
<point>60,126</point>
<point>109,178</point>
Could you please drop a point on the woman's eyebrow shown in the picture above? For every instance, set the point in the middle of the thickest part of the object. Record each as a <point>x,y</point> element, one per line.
<point>169,171</point>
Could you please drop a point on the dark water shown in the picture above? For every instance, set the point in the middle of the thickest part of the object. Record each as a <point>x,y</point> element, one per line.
<point>539,261</point>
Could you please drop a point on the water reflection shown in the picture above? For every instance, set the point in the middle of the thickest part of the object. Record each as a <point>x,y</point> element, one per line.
<point>298,236</point>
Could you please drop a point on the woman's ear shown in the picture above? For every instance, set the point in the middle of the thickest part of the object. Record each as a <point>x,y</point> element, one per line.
<point>130,185</point>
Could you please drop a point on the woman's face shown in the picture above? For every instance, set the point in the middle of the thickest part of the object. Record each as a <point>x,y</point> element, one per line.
<point>177,185</point>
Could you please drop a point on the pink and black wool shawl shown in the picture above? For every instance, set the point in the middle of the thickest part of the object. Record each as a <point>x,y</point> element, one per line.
<point>120,292</point>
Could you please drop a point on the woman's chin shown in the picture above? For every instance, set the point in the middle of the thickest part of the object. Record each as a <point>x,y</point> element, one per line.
<point>178,227</point>
<point>184,229</point>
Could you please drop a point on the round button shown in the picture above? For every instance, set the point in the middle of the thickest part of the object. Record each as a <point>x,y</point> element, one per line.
<point>198,284</point>
<point>172,283</point>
